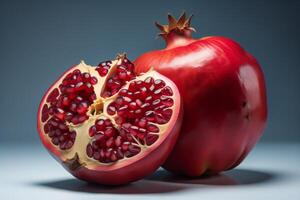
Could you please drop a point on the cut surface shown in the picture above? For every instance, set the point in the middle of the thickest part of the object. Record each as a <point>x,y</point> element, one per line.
<point>101,115</point>
<point>68,104</point>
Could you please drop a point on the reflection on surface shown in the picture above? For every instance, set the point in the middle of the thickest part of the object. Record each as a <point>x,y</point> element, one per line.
<point>163,182</point>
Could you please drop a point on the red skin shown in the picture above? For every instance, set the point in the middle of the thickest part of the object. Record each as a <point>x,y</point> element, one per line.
<point>224,96</point>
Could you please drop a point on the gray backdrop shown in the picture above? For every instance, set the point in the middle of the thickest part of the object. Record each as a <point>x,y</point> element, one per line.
<point>39,40</point>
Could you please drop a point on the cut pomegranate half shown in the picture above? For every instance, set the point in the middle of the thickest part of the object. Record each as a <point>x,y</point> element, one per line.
<point>107,125</point>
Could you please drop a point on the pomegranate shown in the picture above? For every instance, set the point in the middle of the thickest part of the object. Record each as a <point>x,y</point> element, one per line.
<point>224,96</point>
<point>106,125</point>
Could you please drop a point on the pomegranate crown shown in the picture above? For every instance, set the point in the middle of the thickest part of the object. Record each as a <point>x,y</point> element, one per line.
<point>178,26</point>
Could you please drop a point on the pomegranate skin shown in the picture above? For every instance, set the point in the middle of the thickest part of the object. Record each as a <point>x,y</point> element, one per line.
<point>224,96</point>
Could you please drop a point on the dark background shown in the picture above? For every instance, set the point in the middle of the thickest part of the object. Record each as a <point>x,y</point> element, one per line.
<point>39,40</point>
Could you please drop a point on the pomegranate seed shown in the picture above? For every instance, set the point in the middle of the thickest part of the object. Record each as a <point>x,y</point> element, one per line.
<point>109,132</point>
<point>96,155</point>
<point>55,141</point>
<point>45,114</point>
<point>125,146</point>
<point>45,109</point>
<point>100,124</point>
<point>92,130</point>
<point>115,85</point>
<point>133,105</point>
<point>76,71</point>
<point>99,136</point>
<point>148,99</point>
<point>137,94</point>
<point>73,135</point>
<point>119,101</point>
<point>107,122</point>
<point>68,144</point>
<point>65,101</point>
<point>108,153</point>
<point>149,81</point>
<point>160,119</point>
<point>133,130</point>
<point>126,126</point>
<point>151,88</point>
<point>61,138</point>
<point>139,84</point>
<point>145,106</point>
<point>51,133</point>
<point>46,128</point>
<point>59,114</point>
<point>118,141</point>
<point>138,112</point>
<point>102,71</point>
<point>89,150</point>
<point>150,139</point>
<point>168,102</point>
<point>122,110</point>
<point>167,91</point>
<point>111,110</point>
<point>95,145</point>
<point>75,120</point>
<point>134,149</point>
<point>167,113</point>
<point>93,80</point>
<point>142,123</point>
<point>143,91</point>
<point>82,118</point>
<point>150,116</point>
<point>157,92</point>
<point>132,86</point>
<point>159,83</point>
<point>123,92</point>
<point>139,102</point>
<point>152,128</point>
<point>127,100</point>
<point>113,157</point>
<point>69,116</point>
<point>53,95</point>
<point>73,107</point>
<point>122,75</point>
<point>86,76</point>
<point>53,123</point>
<point>119,120</point>
<point>156,102</point>
<point>82,108</point>
<point>120,154</point>
<point>110,142</point>
<point>102,153</point>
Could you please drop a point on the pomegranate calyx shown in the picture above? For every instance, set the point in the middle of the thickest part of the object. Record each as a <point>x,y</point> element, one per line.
<point>180,26</point>
<point>121,56</point>
<point>74,163</point>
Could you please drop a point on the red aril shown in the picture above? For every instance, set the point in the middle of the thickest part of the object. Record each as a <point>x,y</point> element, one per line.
<point>223,93</point>
<point>107,125</point>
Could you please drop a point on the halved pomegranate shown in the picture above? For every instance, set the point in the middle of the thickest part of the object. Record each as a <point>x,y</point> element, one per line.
<point>105,125</point>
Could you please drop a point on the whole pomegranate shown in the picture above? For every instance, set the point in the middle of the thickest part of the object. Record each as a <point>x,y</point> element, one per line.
<point>224,97</point>
<point>106,125</point>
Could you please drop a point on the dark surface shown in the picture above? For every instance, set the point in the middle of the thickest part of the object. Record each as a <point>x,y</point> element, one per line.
<point>39,40</point>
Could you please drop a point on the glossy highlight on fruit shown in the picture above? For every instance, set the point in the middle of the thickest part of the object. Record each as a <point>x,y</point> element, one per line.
<point>223,93</point>
<point>106,125</point>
